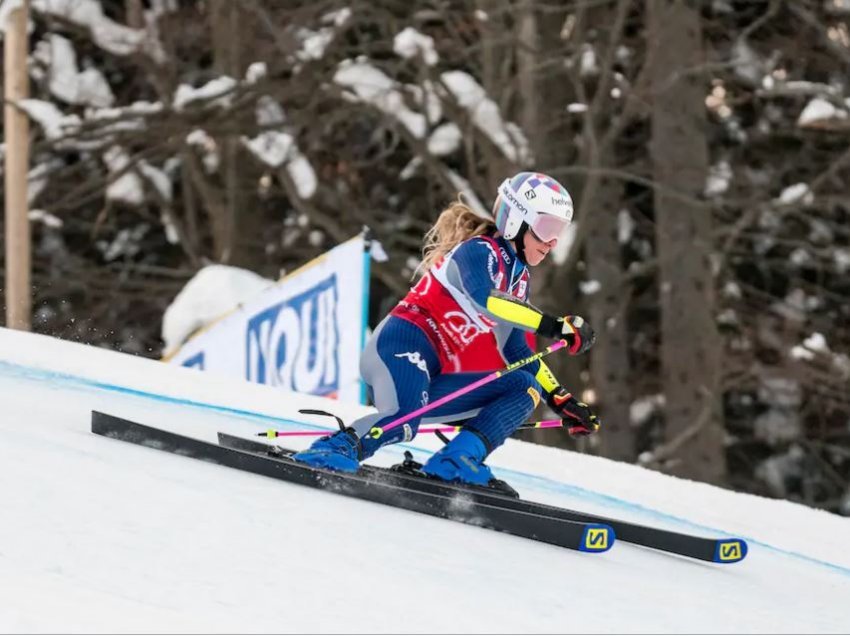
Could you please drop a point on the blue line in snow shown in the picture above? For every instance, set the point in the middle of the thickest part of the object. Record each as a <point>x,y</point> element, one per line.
<point>7,368</point>
<point>535,481</point>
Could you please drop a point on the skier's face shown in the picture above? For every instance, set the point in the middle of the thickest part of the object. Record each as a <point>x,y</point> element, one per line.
<point>536,249</point>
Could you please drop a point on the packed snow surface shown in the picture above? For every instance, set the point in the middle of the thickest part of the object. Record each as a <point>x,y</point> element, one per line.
<point>103,536</point>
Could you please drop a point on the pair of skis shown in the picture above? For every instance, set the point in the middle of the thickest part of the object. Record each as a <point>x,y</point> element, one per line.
<point>477,506</point>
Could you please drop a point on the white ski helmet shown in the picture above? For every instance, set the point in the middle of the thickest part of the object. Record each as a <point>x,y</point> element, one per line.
<point>536,200</point>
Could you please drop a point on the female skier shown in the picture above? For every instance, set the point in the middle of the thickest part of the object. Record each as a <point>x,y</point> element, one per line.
<point>467,316</point>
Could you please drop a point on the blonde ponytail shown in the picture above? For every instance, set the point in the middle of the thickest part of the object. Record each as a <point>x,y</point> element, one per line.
<point>454,225</point>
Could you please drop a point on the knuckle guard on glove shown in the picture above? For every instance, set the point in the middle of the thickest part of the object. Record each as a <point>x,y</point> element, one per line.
<point>577,416</point>
<point>574,329</point>
<point>580,332</point>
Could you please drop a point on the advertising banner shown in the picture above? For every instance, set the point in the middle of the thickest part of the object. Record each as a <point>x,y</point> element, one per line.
<point>303,334</point>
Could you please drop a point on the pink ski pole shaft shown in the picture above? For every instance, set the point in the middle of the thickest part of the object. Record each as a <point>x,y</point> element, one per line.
<point>426,429</point>
<point>529,425</point>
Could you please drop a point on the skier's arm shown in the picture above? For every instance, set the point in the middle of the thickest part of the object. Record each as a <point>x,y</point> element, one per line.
<point>474,270</point>
<point>526,316</point>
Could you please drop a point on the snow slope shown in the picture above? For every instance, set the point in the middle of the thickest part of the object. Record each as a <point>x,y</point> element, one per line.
<point>102,536</point>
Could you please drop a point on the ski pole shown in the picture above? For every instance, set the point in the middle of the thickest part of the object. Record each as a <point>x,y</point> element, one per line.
<point>377,431</point>
<point>426,429</point>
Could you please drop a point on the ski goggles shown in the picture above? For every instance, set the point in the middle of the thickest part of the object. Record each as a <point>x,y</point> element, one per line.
<point>547,228</point>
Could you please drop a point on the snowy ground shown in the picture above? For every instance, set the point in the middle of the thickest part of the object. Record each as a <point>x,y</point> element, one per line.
<point>102,536</point>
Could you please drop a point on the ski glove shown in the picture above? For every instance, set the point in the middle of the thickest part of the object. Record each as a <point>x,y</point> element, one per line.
<point>575,329</point>
<point>577,417</point>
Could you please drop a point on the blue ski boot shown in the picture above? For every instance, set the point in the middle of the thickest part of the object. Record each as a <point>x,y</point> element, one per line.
<point>340,451</point>
<point>461,460</point>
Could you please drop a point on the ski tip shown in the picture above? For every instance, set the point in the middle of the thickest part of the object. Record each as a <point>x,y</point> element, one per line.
<point>597,537</point>
<point>730,550</point>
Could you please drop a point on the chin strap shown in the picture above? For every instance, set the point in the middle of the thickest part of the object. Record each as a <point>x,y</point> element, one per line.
<point>519,243</point>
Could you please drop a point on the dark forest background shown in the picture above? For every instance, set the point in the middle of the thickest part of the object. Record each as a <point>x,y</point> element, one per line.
<point>705,145</point>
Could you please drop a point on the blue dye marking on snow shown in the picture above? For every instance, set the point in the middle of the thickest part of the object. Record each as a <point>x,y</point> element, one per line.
<point>30,373</point>
<point>533,481</point>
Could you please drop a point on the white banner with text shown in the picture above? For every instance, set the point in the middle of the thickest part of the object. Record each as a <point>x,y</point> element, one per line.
<point>303,334</point>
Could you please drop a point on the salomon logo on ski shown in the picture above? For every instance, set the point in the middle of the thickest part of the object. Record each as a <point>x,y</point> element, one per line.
<point>730,551</point>
<point>597,538</point>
